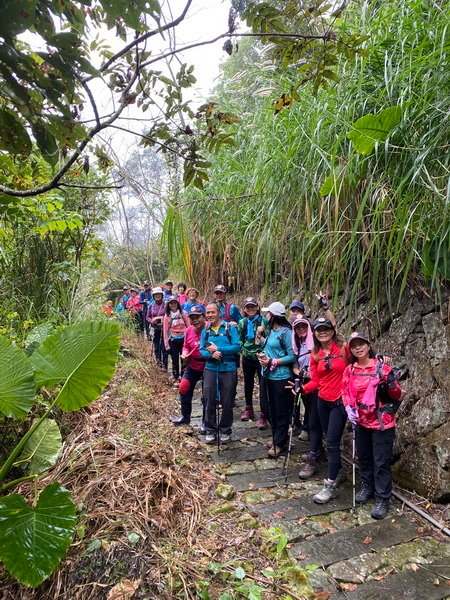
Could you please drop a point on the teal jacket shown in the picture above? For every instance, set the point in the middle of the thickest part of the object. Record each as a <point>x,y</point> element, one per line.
<point>227,342</point>
<point>278,345</point>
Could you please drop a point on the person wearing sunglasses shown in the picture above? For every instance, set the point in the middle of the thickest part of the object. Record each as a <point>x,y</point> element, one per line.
<point>327,364</point>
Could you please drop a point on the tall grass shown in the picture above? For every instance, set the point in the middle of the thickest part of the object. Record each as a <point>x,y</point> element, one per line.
<point>262,223</point>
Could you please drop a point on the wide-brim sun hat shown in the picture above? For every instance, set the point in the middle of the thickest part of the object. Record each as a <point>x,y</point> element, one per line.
<point>276,309</point>
<point>157,290</point>
<point>322,322</point>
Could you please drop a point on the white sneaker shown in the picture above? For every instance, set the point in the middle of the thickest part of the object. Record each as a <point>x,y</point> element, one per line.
<point>225,438</point>
<point>210,438</point>
<point>327,493</point>
<point>304,436</point>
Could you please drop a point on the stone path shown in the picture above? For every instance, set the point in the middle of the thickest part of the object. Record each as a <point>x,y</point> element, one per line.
<point>357,557</point>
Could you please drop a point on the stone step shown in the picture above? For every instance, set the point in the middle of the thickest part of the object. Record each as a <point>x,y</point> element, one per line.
<point>273,477</point>
<point>342,545</point>
<point>292,509</point>
<point>429,582</point>
<point>243,453</point>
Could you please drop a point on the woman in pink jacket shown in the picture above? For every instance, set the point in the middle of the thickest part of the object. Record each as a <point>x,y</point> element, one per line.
<point>371,395</point>
<point>175,324</point>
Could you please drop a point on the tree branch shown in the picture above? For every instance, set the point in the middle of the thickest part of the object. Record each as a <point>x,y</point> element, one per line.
<point>90,187</point>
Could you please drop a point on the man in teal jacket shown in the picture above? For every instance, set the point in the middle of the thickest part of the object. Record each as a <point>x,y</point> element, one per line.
<point>219,345</point>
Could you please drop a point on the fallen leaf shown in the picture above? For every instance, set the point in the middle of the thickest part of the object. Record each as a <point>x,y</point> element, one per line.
<point>302,520</point>
<point>368,540</point>
<point>421,529</point>
<point>436,581</point>
<point>378,577</point>
<point>323,595</point>
<point>414,567</point>
<point>351,587</point>
<point>124,590</point>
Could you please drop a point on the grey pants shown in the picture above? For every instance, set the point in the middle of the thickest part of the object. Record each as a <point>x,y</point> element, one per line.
<point>222,385</point>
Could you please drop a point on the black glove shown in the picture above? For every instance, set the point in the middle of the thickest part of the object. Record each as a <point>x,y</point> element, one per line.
<point>391,380</point>
<point>323,302</point>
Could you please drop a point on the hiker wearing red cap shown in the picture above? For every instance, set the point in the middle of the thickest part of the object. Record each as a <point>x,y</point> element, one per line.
<point>328,361</point>
<point>175,324</point>
<point>276,358</point>
<point>371,395</point>
<point>247,329</point>
<point>195,364</point>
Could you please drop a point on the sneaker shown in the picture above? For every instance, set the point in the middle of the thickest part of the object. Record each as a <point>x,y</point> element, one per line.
<point>248,414</point>
<point>381,509</point>
<point>364,494</point>
<point>341,477</point>
<point>274,452</point>
<point>269,443</point>
<point>180,421</point>
<point>327,493</point>
<point>202,429</point>
<point>225,438</point>
<point>321,455</point>
<point>262,422</point>
<point>210,438</point>
<point>308,468</point>
<point>304,436</point>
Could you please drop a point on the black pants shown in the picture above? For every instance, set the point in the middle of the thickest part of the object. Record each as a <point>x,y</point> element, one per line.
<point>144,325</point>
<point>276,404</point>
<point>161,355</point>
<point>176,348</point>
<point>308,400</point>
<point>186,399</point>
<point>333,417</point>
<point>219,386</point>
<point>314,424</point>
<point>250,368</point>
<point>374,449</point>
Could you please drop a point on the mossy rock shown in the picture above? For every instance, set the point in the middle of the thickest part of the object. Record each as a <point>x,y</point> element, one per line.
<point>221,509</point>
<point>225,491</point>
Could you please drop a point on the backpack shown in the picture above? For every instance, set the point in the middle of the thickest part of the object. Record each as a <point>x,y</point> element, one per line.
<point>243,336</point>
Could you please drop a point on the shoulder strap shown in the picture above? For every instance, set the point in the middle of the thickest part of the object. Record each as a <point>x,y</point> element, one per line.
<point>228,332</point>
<point>227,311</point>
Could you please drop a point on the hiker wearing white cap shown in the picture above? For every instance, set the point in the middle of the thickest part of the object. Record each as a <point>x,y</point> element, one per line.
<point>276,359</point>
<point>155,316</point>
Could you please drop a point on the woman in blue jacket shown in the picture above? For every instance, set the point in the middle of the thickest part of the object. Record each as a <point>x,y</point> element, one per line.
<point>276,359</point>
<point>219,345</point>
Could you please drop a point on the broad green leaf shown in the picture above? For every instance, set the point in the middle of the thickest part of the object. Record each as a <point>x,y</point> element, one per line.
<point>13,135</point>
<point>46,143</point>
<point>327,186</point>
<point>17,387</point>
<point>37,335</point>
<point>81,356</point>
<point>34,540</point>
<point>42,449</point>
<point>370,129</point>
<point>16,16</point>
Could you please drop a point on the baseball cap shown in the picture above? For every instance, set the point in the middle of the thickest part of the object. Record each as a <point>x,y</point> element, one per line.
<point>171,298</point>
<point>322,322</point>
<point>297,304</point>
<point>196,310</point>
<point>168,281</point>
<point>250,301</point>
<point>357,335</point>
<point>126,287</point>
<point>146,283</point>
<point>276,309</point>
<point>220,288</point>
<point>157,290</point>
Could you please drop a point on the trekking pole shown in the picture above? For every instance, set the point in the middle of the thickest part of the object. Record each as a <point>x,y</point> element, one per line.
<point>291,431</point>
<point>353,469</point>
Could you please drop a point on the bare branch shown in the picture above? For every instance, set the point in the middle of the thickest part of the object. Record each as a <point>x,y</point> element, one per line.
<point>91,187</point>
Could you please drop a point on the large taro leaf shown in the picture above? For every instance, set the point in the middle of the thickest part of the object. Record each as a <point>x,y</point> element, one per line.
<point>37,336</point>
<point>42,449</point>
<point>370,129</point>
<point>16,381</point>
<point>33,540</point>
<point>82,357</point>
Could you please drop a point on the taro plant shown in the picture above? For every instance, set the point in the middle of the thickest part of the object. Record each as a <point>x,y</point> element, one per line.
<point>70,368</point>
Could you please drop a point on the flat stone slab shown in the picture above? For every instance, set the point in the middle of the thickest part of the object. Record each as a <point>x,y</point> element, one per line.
<point>229,455</point>
<point>411,585</point>
<point>272,478</point>
<point>342,545</point>
<point>290,509</point>
<point>250,431</point>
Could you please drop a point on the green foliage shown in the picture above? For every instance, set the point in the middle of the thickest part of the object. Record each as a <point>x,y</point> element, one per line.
<point>294,203</point>
<point>80,359</point>
<point>33,540</point>
<point>16,381</point>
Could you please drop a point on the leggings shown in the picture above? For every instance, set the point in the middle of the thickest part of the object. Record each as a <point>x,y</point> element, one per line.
<point>176,348</point>
<point>276,403</point>
<point>160,350</point>
<point>333,417</point>
<point>250,368</point>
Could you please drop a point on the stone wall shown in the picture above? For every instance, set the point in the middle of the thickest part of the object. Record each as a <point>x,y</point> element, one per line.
<point>418,339</point>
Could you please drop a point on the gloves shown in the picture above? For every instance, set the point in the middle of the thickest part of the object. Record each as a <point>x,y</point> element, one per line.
<point>323,302</point>
<point>352,414</point>
<point>391,380</point>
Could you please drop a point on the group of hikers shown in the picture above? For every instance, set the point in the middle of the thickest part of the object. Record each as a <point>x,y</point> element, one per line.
<point>307,375</point>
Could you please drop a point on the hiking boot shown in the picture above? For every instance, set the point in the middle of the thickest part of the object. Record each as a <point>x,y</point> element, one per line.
<point>180,421</point>
<point>308,468</point>
<point>381,509</point>
<point>274,452</point>
<point>364,494</point>
<point>341,477</point>
<point>321,455</point>
<point>210,438</point>
<point>248,414</point>
<point>327,493</point>
<point>262,422</point>
<point>225,438</point>
<point>269,443</point>
<point>304,436</point>
<point>202,429</point>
